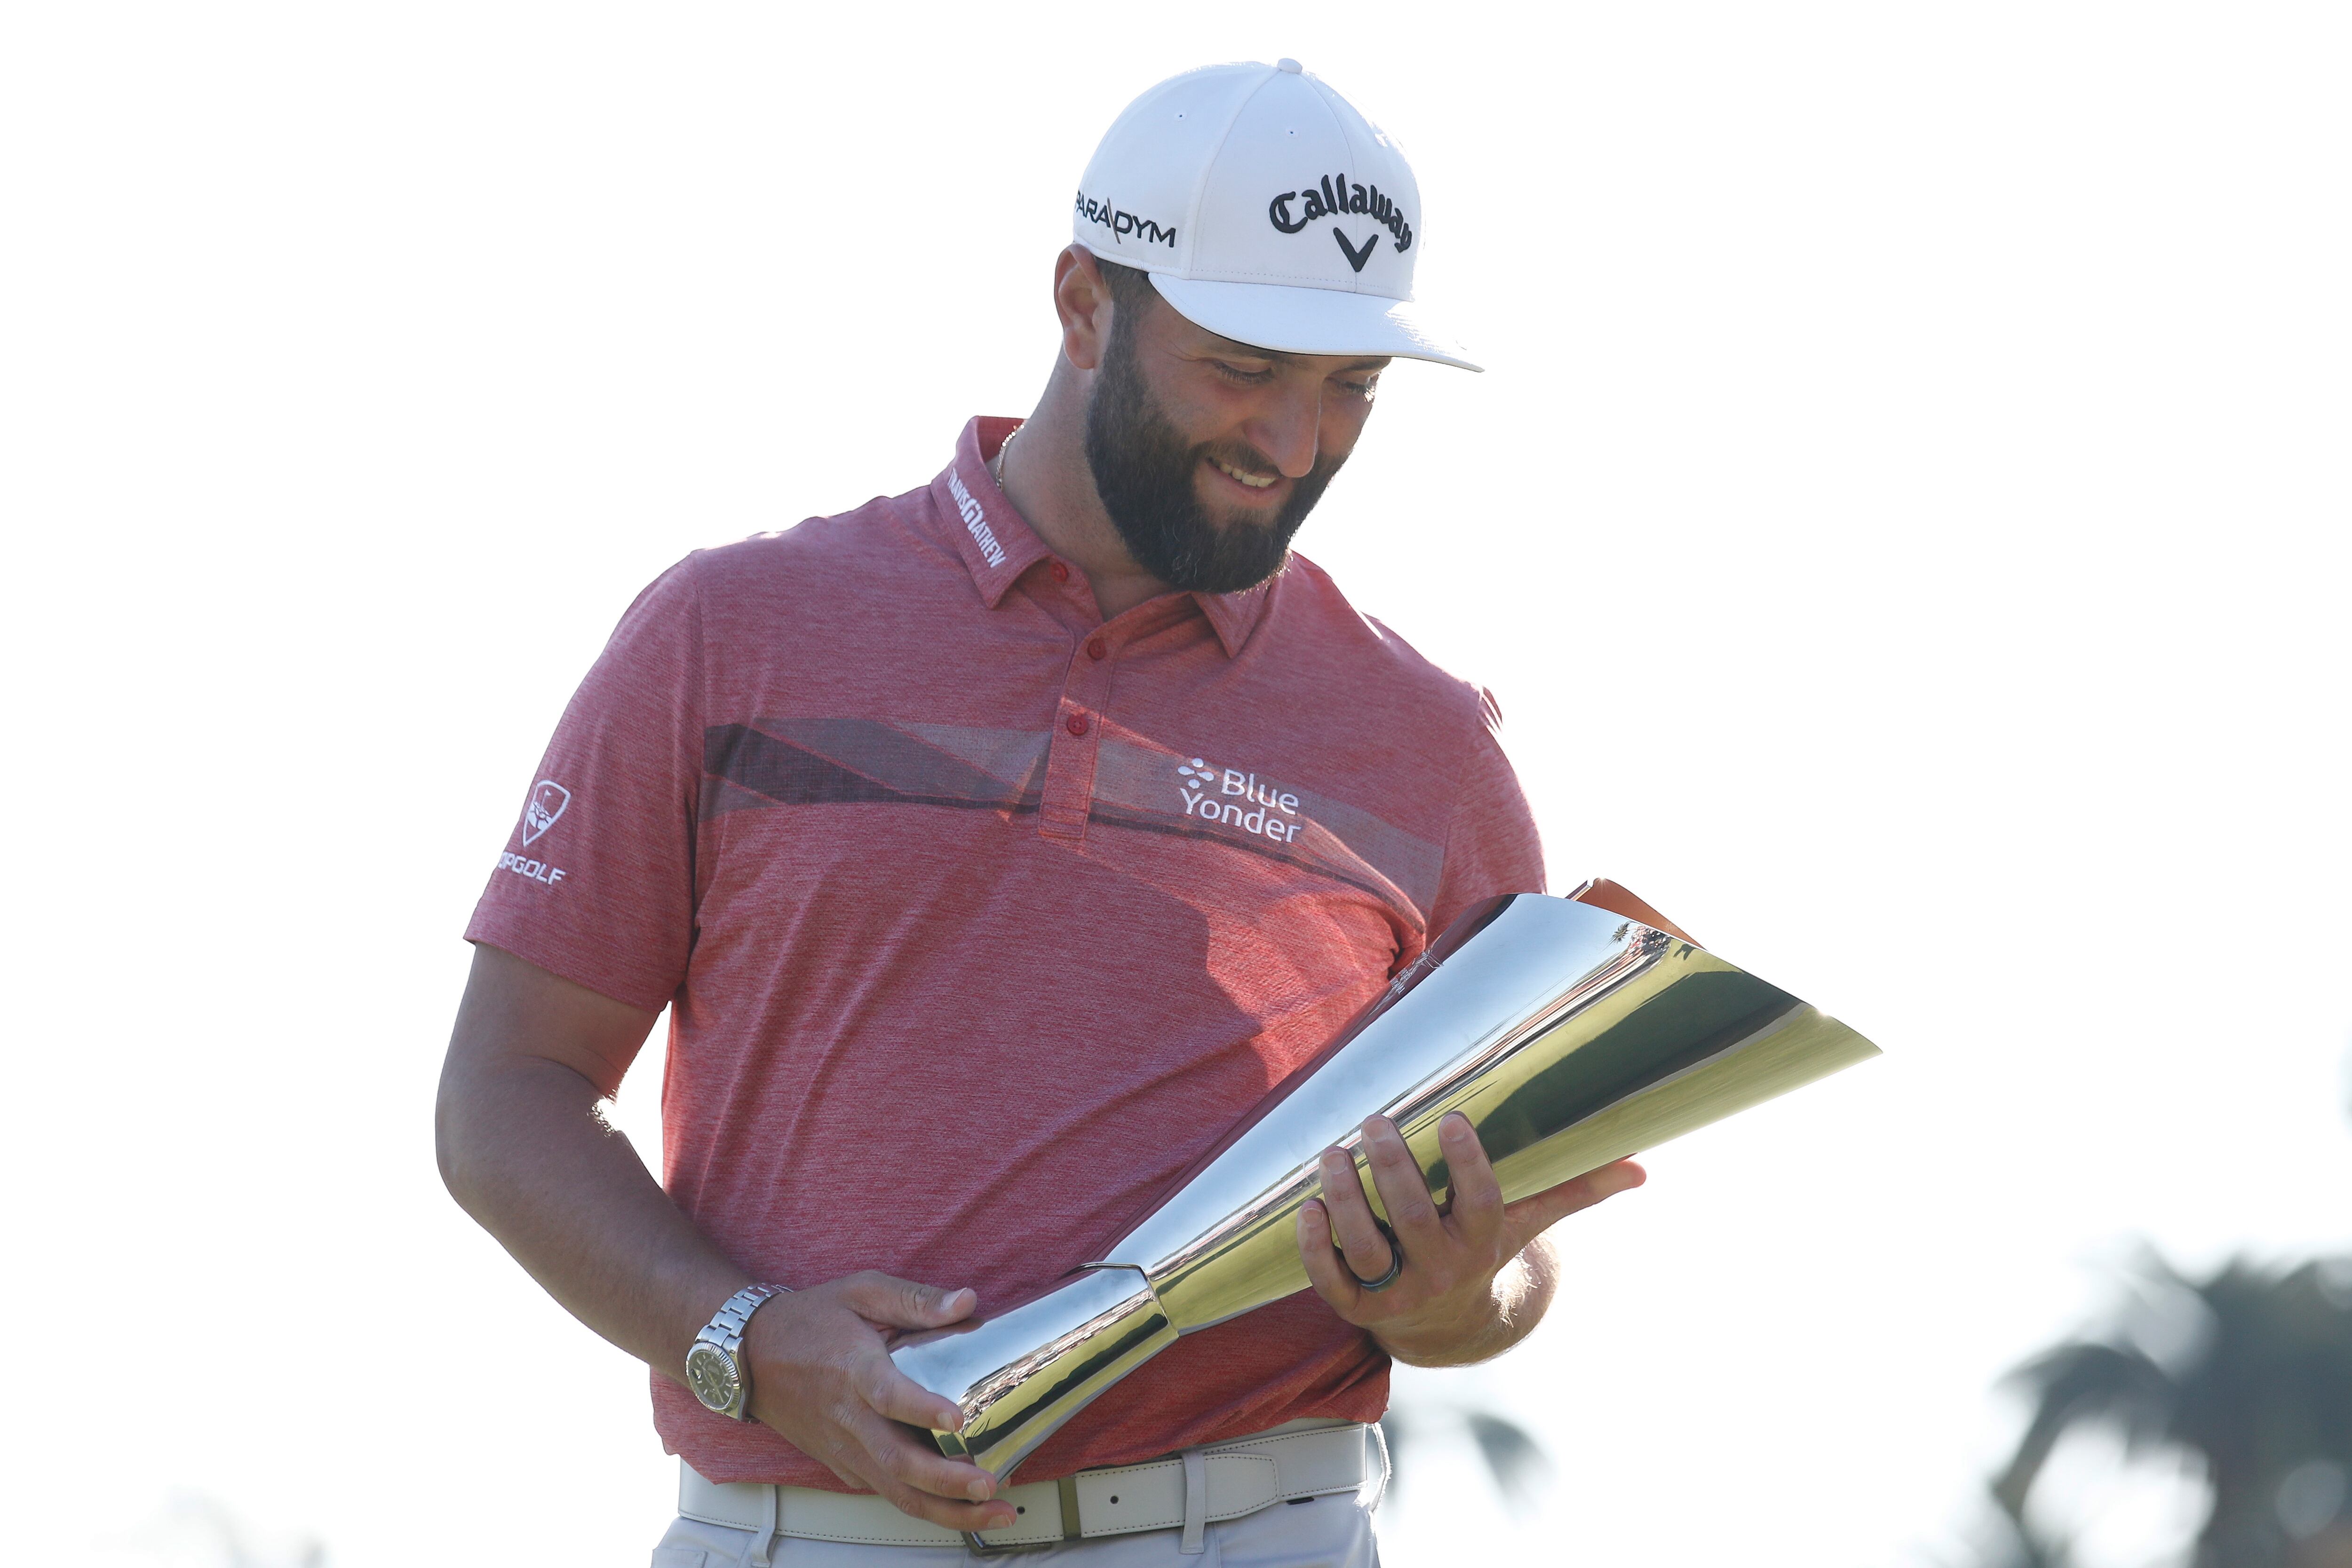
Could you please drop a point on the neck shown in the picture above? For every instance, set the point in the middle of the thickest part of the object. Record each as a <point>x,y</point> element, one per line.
<point>1045,476</point>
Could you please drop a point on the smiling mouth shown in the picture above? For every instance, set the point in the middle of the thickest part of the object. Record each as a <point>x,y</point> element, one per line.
<point>1254,481</point>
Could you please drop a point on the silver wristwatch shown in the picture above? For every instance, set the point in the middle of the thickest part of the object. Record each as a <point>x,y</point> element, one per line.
<point>715,1367</point>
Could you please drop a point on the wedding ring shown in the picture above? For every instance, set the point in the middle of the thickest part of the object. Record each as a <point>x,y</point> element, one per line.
<point>1396,1261</point>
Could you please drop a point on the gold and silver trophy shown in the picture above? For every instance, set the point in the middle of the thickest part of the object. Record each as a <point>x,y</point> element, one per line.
<point>1570,1034</point>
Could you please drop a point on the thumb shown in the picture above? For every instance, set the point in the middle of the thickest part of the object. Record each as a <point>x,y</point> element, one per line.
<point>1535,1215</point>
<point>905,1304</point>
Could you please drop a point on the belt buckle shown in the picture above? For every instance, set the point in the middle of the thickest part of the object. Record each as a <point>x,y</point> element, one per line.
<point>986,1547</point>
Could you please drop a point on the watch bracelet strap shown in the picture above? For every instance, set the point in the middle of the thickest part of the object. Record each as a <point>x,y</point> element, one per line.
<point>726,1326</point>
<point>725,1331</point>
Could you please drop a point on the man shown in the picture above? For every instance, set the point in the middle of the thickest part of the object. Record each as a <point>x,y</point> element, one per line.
<point>996,847</point>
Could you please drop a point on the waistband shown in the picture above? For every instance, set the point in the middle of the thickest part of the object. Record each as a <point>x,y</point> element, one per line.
<point>1186,1490</point>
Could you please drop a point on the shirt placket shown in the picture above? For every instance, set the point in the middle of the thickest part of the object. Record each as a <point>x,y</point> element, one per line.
<point>1077,737</point>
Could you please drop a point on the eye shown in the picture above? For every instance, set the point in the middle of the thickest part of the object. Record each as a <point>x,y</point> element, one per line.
<point>1241,377</point>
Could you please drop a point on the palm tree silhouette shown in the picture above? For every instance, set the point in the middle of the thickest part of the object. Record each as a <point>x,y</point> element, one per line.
<point>2249,1370</point>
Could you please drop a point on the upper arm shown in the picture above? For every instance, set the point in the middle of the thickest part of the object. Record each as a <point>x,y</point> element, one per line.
<point>597,883</point>
<point>515,1011</point>
<point>585,930</point>
<point>1491,843</point>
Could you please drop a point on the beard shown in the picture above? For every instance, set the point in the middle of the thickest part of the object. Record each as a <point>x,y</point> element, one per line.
<point>1144,471</point>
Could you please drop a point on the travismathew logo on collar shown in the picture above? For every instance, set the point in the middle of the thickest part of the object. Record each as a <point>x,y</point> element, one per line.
<point>975,521</point>
<point>1328,199</point>
<point>1122,224</point>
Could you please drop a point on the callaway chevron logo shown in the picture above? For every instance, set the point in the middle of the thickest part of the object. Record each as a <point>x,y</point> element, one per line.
<point>1331,195</point>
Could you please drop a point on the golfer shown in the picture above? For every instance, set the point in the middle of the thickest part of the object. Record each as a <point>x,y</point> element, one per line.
<point>995,848</point>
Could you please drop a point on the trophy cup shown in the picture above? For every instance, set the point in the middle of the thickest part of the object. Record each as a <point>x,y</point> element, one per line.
<point>1569,1034</point>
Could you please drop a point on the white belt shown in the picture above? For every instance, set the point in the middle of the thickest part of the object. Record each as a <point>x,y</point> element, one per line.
<point>1187,1491</point>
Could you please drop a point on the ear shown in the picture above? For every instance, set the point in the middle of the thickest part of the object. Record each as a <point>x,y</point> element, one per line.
<point>1082,299</point>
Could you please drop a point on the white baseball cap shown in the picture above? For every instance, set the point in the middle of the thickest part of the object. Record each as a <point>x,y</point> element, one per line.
<point>1267,210</point>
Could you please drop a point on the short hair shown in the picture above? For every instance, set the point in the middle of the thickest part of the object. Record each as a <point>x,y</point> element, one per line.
<point>1130,288</point>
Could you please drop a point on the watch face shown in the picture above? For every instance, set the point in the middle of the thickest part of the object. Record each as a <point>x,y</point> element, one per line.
<point>712,1375</point>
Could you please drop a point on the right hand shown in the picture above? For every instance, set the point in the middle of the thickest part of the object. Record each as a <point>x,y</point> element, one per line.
<point>822,1375</point>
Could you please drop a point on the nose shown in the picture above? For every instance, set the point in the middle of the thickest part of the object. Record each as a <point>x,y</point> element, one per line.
<point>1288,429</point>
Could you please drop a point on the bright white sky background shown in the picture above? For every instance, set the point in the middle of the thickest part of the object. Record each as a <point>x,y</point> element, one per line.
<point>1904,523</point>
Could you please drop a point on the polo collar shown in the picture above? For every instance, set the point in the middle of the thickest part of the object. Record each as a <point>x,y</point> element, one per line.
<point>994,543</point>
<point>997,545</point>
<point>1236,615</point>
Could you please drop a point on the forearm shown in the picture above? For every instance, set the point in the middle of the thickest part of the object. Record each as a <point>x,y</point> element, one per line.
<point>1521,1295</point>
<point>525,1150</point>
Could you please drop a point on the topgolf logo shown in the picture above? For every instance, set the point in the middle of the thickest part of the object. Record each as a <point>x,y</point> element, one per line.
<point>1238,799</point>
<point>547,801</point>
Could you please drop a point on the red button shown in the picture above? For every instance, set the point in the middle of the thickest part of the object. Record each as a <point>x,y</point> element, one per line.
<point>1061,572</point>
<point>1078,725</point>
<point>1095,649</point>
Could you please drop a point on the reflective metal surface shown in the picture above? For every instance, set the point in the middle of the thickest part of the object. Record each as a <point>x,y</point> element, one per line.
<point>1021,1372</point>
<point>1569,1037</point>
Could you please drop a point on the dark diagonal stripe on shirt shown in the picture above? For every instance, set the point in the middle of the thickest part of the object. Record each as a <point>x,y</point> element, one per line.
<point>860,761</point>
<point>835,762</point>
<point>1177,828</point>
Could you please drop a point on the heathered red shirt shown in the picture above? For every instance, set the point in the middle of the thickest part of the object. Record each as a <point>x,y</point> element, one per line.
<point>981,916</point>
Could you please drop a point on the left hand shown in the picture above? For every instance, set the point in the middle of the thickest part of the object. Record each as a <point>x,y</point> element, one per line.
<point>1446,1294</point>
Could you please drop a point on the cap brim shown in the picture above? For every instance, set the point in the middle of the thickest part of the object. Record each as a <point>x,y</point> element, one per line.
<point>1293,321</point>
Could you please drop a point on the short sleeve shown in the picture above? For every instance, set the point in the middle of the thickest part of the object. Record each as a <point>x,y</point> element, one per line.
<point>1491,845</point>
<point>596,880</point>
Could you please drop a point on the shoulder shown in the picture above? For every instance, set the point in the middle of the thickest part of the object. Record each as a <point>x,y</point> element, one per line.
<point>1314,625</point>
<point>813,555</point>
<point>829,582</point>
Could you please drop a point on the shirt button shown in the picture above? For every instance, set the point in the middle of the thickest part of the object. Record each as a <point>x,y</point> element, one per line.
<point>1061,573</point>
<point>1078,724</point>
<point>1095,649</point>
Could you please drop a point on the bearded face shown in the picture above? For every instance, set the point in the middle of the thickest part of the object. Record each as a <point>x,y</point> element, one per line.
<point>1146,472</point>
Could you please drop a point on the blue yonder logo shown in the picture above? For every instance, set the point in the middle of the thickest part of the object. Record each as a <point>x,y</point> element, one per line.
<point>1239,800</point>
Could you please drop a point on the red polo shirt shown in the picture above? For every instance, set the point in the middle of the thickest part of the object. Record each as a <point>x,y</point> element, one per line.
<point>979,917</point>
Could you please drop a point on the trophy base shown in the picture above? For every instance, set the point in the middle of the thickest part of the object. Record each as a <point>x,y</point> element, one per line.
<point>1019,1375</point>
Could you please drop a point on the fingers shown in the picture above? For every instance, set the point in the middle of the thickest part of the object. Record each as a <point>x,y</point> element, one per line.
<point>823,1380</point>
<point>1477,1208</point>
<point>907,1499</point>
<point>892,1393</point>
<point>902,1303</point>
<point>1324,1272</point>
<point>1531,1217</point>
<point>1351,1215</point>
<point>917,1478</point>
<point>1405,1191</point>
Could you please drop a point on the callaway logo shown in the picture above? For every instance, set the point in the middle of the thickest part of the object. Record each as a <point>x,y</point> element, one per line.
<point>1325,199</point>
<point>547,801</point>
<point>1122,224</point>
<point>1241,799</point>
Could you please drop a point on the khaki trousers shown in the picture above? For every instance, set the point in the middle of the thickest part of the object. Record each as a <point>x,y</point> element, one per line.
<point>1321,1533</point>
